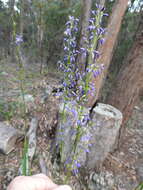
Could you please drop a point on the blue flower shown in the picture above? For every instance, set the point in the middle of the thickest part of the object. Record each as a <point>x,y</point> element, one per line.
<point>76,84</point>
<point>105,14</point>
<point>85,138</point>
<point>75,171</point>
<point>96,73</point>
<point>96,54</point>
<point>77,164</point>
<point>67,32</point>
<point>101,41</point>
<point>18,39</point>
<point>93,12</point>
<point>91,27</point>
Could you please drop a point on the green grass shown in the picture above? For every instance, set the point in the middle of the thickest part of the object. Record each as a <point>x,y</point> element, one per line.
<point>25,160</point>
<point>140,186</point>
<point>7,109</point>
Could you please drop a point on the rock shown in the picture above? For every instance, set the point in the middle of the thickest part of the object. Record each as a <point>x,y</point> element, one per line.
<point>49,90</point>
<point>137,108</point>
<point>104,180</point>
<point>122,153</point>
<point>8,137</point>
<point>27,98</point>
<point>105,125</point>
<point>4,73</point>
<point>139,170</point>
<point>8,174</point>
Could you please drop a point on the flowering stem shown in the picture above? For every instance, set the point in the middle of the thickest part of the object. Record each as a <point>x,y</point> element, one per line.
<point>77,85</point>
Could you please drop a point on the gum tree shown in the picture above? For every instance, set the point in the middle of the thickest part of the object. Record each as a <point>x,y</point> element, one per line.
<point>129,82</point>
<point>86,9</point>
<point>106,50</point>
<point>84,33</point>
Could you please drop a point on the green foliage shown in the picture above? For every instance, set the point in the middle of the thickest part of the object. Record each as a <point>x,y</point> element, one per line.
<point>4,26</point>
<point>125,40</point>
<point>47,18</point>
<point>25,160</point>
<point>7,110</point>
<point>55,16</point>
<point>140,187</point>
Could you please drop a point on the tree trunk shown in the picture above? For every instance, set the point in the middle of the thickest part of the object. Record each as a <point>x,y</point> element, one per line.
<point>101,2</point>
<point>11,7</point>
<point>129,82</point>
<point>11,37</point>
<point>106,49</point>
<point>21,17</point>
<point>86,8</point>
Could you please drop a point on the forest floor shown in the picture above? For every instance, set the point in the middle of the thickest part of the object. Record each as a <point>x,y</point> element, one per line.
<point>125,165</point>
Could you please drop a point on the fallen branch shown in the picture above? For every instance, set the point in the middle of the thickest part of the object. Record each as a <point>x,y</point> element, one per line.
<point>32,138</point>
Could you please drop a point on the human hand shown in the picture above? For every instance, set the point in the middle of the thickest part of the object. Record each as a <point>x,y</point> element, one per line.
<point>35,182</point>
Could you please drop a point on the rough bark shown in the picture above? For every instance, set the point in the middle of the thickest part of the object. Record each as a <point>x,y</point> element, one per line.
<point>11,7</point>
<point>96,139</point>
<point>129,82</point>
<point>21,17</point>
<point>101,2</point>
<point>106,49</point>
<point>11,4</point>
<point>86,8</point>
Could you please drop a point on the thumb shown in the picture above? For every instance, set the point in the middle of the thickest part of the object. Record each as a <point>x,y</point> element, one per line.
<point>63,187</point>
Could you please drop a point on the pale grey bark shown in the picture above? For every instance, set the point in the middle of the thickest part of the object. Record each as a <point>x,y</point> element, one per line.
<point>97,138</point>
<point>101,2</point>
<point>85,16</point>
<point>21,17</point>
<point>105,124</point>
<point>11,4</point>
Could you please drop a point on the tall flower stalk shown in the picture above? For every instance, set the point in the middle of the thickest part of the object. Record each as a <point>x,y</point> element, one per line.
<point>24,168</point>
<point>77,84</point>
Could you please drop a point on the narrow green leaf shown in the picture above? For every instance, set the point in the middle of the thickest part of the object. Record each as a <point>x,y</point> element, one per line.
<point>140,187</point>
<point>25,161</point>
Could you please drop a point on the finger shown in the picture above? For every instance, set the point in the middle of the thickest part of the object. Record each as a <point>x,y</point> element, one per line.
<point>52,185</point>
<point>37,182</point>
<point>40,175</point>
<point>63,187</point>
<point>43,181</point>
<point>16,183</point>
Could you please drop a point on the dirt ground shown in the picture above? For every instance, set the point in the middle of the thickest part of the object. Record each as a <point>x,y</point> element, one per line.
<point>126,164</point>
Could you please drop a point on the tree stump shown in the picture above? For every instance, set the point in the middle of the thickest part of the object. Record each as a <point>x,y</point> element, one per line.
<point>105,125</point>
<point>8,137</point>
<point>67,132</point>
<point>97,136</point>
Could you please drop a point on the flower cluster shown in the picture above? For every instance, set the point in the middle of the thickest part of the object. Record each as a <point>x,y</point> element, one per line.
<point>75,129</point>
<point>68,66</point>
<point>18,39</point>
<point>76,83</point>
<point>96,33</point>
